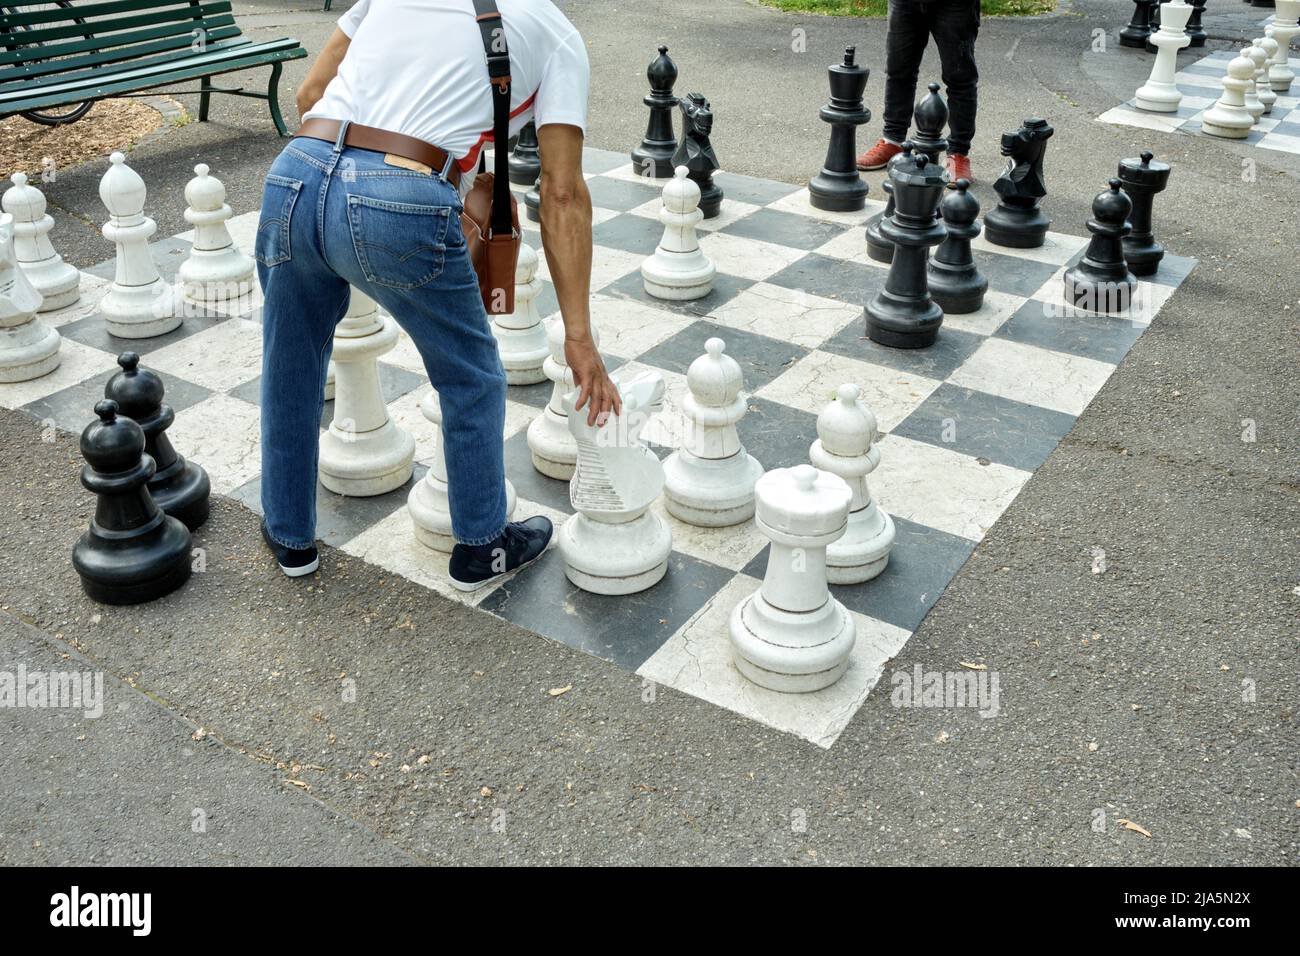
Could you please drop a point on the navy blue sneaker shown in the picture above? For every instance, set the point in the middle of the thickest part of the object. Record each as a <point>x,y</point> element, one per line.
<point>294,562</point>
<point>523,542</point>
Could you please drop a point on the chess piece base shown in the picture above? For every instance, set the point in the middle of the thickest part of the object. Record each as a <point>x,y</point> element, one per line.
<point>554,452</point>
<point>28,351</point>
<point>1016,228</point>
<point>863,552</point>
<point>150,564</point>
<point>658,156</point>
<point>1226,126</point>
<point>1143,260</point>
<point>793,653</point>
<point>1102,296</point>
<point>703,491</point>
<point>523,351</point>
<point>957,290</point>
<point>1156,97</point>
<point>619,558</point>
<point>838,192</point>
<point>367,464</point>
<point>1137,39</point>
<point>677,276</point>
<point>901,324</point>
<point>430,511</point>
<point>182,491</point>
<point>58,282</point>
<point>140,312</point>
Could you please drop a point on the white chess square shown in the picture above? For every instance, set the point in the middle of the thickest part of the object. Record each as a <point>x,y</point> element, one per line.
<point>77,363</point>
<point>629,328</point>
<point>1036,376</point>
<point>224,435</point>
<point>748,258</point>
<point>793,315</point>
<point>801,204</point>
<point>219,358</point>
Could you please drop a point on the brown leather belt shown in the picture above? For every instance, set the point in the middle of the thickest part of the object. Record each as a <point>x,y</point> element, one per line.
<point>382,141</point>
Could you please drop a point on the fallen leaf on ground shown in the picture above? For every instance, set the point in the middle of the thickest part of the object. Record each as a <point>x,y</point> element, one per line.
<point>1130,825</point>
<point>557,691</point>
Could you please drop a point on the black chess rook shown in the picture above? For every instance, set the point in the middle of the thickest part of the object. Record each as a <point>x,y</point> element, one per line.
<point>956,283</point>
<point>1142,178</point>
<point>654,157</point>
<point>838,187</point>
<point>1016,221</point>
<point>1102,282</point>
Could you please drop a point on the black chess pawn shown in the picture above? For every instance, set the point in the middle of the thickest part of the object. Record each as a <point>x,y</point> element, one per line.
<point>1142,178</point>
<point>654,157</point>
<point>178,487</point>
<point>526,159</point>
<point>1101,282</point>
<point>1016,221</point>
<point>1139,27</point>
<point>133,551</point>
<point>1155,26</point>
<point>878,247</point>
<point>902,314</point>
<point>838,187</point>
<point>1195,29</point>
<point>956,283</point>
<point>533,201</point>
<point>930,116</point>
<point>695,152</point>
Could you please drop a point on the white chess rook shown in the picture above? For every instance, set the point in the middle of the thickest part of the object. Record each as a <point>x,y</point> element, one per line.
<point>553,450</point>
<point>709,481</point>
<point>28,347</point>
<point>521,336</point>
<point>215,270</point>
<point>1159,94</point>
<point>615,544</point>
<point>1228,117</point>
<point>678,270</point>
<point>791,635</point>
<point>138,304</point>
<point>1261,51</point>
<point>1283,29</point>
<point>428,503</point>
<point>363,453</point>
<point>58,282</point>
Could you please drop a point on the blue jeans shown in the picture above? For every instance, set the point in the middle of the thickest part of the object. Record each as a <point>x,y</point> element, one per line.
<point>334,217</point>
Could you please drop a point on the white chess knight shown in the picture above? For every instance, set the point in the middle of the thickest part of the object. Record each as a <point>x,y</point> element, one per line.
<point>58,282</point>
<point>553,450</point>
<point>846,446</point>
<point>521,336</point>
<point>1260,51</point>
<point>709,481</point>
<point>1159,94</point>
<point>28,347</point>
<point>1283,29</point>
<point>363,453</point>
<point>678,270</point>
<point>215,270</point>
<point>1228,117</point>
<point>139,304</point>
<point>791,635</point>
<point>428,502</point>
<point>615,544</point>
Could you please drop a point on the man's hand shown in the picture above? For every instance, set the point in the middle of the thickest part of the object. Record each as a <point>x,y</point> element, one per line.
<point>596,392</point>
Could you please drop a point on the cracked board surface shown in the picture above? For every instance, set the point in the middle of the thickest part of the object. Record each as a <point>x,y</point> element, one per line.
<point>1200,84</point>
<point>964,423</point>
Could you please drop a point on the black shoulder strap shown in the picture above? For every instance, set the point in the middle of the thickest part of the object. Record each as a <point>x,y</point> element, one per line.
<point>493,29</point>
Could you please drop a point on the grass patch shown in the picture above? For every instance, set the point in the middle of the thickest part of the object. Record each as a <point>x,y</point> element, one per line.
<point>880,8</point>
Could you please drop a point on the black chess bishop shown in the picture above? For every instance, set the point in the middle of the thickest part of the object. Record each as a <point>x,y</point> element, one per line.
<point>1142,178</point>
<point>695,152</point>
<point>1102,282</point>
<point>956,283</point>
<point>1016,221</point>
<point>838,187</point>
<point>133,551</point>
<point>526,159</point>
<point>178,487</point>
<point>654,157</point>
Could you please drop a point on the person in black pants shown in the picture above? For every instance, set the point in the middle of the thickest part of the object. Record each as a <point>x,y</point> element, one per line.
<point>954,24</point>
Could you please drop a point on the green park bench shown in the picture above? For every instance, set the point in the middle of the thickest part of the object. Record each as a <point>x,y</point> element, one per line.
<point>57,59</point>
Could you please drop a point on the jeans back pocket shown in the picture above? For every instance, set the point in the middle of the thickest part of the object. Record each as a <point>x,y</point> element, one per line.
<point>278,198</point>
<point>399,245</point>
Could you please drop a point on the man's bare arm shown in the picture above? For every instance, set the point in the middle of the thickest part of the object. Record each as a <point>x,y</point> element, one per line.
<point>322,71</point>
<point>566,240</point>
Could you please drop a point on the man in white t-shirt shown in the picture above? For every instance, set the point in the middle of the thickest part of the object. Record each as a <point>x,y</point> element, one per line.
<point>396,110</point>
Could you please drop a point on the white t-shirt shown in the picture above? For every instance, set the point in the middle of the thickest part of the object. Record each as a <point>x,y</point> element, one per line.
<point>418,67</point>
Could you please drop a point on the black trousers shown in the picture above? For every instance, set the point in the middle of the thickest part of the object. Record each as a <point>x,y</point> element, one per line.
<point>954,24</point>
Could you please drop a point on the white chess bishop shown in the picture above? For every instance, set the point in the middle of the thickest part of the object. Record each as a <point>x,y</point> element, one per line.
<point>678,270</point>
<point>139,304</point>
<point>615,544</point>
<point>709,481</point>
<point>215,270</point>
<point>58,282</point>
<point>790,635</point>
<point>846,446</point>
<point>428,502</point>
<point>363,453</point>
<point>28,347</point>
<point>521,336</point>
<point>1159,94</point>
<point>552,446</point>
<point>1228,117</point>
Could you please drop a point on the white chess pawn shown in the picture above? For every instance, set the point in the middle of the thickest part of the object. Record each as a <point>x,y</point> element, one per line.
<point>791,635</point>
<point>139,304</point>
<point>678,270</point>
<point>1283,28</point>
<point>1228,117</point>
<point>521,336</point>
<point>1253,106</point>
<point>615,544</point>
<point>215,270</point>
<point>845,446</point>
<point>709,481</point>
<point>58,282</point>
<point>1261,51</point>
<point>363,453</point>
<point>553,450</point>
<point>28,347</point>
<point>1159,94</point>
<point>428,502</point>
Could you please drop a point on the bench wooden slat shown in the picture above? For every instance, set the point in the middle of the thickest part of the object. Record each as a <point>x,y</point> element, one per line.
<point>70,29</point>
<point>74,51</point>
<point>179,9</point>
<point>32,75</point>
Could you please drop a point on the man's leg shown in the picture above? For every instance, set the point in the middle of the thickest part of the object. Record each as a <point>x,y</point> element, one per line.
<point>303,301</point>
<point>955,24</point>
<point>904,47</point>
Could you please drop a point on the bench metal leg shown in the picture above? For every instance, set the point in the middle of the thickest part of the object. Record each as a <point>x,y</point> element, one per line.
<point>205,94</point>
<point>273,98</point>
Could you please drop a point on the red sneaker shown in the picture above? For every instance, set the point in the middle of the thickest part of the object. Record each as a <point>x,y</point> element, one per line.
<point>958,167</point>
<point>879,155</point>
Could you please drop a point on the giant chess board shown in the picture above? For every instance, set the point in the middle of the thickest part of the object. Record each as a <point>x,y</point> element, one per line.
<point>967,421</point>
<point>1200,85</point>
